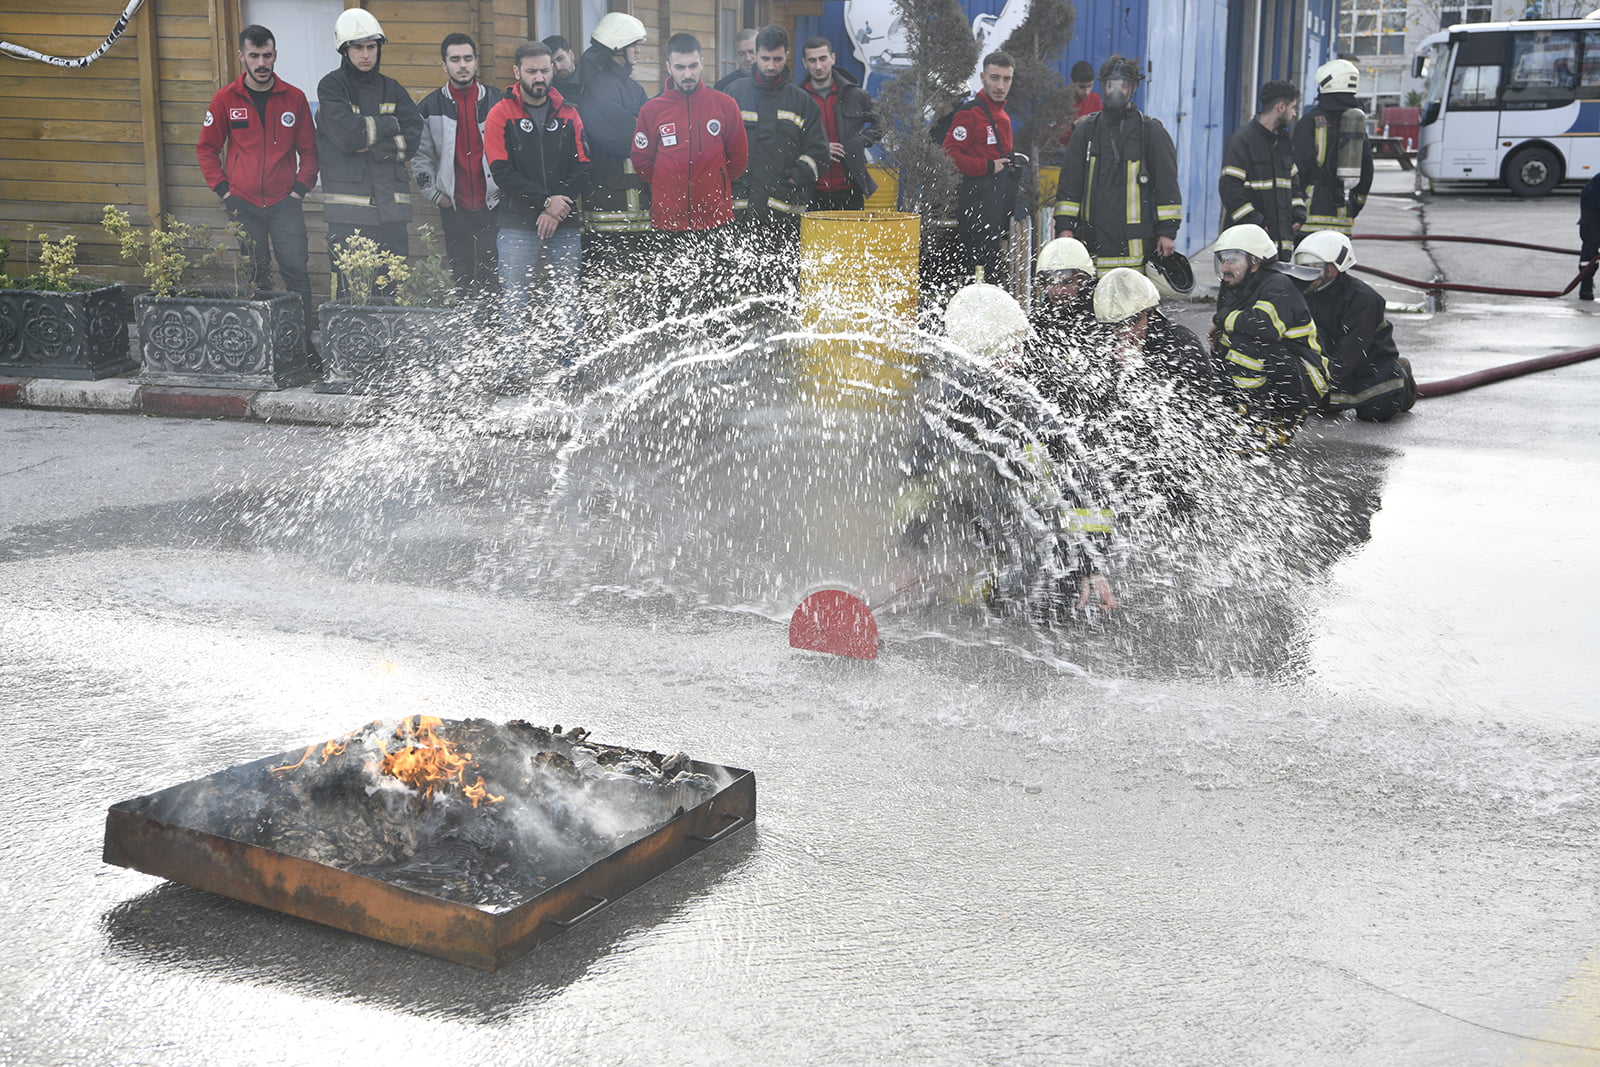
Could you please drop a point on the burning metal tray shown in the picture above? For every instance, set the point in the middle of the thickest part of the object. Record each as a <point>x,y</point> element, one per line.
<point>385,833</point>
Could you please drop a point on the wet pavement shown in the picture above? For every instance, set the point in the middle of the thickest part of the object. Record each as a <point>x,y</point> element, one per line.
<point>1360,828</point>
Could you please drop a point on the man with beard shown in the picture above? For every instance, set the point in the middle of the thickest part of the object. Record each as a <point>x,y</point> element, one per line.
<point>1118,190</point>
<point>367,127</point>
<point>271,165</point>
<point>1332,153</point>
<point>535,147</point>
<point>1369,375</point>
<point>450,169</point>
<point>1264,337</point>
<point>979,143</point>
<point>616,205</point>
<point>565,60</point>
<point>788,148</point>
<point>690,146</point>
<point>1259,182</point>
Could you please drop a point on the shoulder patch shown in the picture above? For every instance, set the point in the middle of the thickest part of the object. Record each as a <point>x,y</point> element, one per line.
<point>210,118</point>
<point>640,140</point>
<point>959,133</point>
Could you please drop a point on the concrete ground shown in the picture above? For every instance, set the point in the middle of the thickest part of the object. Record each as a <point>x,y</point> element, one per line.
<point>1351,820</point>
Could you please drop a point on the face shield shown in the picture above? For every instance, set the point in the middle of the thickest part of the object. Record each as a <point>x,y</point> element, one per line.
<point>1116,92</point>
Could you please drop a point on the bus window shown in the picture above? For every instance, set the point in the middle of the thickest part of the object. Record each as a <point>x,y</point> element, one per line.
<point>1544,70</point>
<point>1589,82</point>
<point>1438,62</point>
<point>1475,88</point>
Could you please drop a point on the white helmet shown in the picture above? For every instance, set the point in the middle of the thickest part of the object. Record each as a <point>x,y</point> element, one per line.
<point>1247,237</point>
<point>618,30</point>
<point>1122,294</point>
<point>1325,246</point>
<point>1065,253</point>
<point>1338,76</point>
<point>355,24</point>
<point>985,320</point>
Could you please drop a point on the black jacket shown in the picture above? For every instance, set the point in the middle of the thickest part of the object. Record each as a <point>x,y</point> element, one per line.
<point>1358,339</point>
<point>617,199</point>
<point>1268,346</point>
<point>367,127</point>
<point>788,147</point>
<point>1261,185</point>
<point>729,78</point>
<point>1110,153</point>
<point>1330,204</point>
<point>856,122</point>
<point>531,163</point>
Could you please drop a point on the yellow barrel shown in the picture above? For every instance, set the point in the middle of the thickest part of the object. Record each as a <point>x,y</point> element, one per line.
<point>859,276</point>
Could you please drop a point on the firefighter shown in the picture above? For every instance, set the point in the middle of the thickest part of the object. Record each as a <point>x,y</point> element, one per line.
<point>1118,191</point>
<point>616,202</point>
<point>1588,235</point>
<point>1063,311</point>
<point>1332,153</point>
<point>1259,182</point>
<point>994,475</point>
<point>367,127</point>
<point>1263,336</point>
<point>1369,375</point>
<point>788,150</point>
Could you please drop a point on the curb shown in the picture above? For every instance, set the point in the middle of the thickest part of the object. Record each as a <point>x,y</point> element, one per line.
<point>127,396</point>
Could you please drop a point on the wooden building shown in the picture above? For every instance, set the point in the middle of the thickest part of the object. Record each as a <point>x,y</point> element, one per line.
<point>123,129</point>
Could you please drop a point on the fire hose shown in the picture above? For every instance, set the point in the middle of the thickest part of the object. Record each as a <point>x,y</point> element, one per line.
<point>1463,382</point>
<point>16,51</point>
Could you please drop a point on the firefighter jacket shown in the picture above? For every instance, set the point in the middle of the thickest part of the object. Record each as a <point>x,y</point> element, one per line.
<point>978,135</point>
<point>434,165</point>
<point>617,199</point>
<point>1589,218</point>
<point>532,163</point>
<point>1118,189</point>
<point>1261,185</point>
<point>690,148</point>
<point>788,148</point>
<point>1358,340</point>
<point>269,155</point>
<point>1330,204</point>
<point>856,127</point>
<point>367,127</point>
<point>1268,346</point>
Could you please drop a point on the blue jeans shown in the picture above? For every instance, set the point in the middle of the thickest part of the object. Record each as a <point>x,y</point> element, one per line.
<point>522,253</point>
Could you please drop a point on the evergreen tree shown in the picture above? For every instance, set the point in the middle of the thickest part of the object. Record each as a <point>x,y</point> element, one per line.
<point>943,53</point>
<point>1040,96</point>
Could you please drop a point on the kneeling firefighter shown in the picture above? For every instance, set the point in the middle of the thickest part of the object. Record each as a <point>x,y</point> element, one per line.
<point>1368,374</point>
<point>993,472</point>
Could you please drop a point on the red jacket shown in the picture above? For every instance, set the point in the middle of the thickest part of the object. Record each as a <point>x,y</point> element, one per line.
<point>973,142</point>
<point>690,149</point>
<point>266,159</point>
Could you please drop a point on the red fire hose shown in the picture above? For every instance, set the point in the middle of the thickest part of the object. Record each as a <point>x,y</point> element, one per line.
<point>1510,370</point>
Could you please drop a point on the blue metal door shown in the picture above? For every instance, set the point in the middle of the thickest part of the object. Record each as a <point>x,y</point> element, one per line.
<point>1186,92</point>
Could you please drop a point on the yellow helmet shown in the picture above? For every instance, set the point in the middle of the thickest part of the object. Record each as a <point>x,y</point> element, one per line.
<point>617,31</point>
<point>1122,294</point>
<point>985,320</point>
<point>1247,237</point>
<point>1065,253</point>
<point>355,24</point>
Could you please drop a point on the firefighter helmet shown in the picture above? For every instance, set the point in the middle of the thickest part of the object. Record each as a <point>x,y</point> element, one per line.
<point>1247,237</point>
<point>1064,253</point>
<point>1122,294</point>
<point>985,320</point>
<point>355,25</point>
<point>1338,76</point>
<point>1325,246</point>
<point>617,31</point>
<point>1171,275</point>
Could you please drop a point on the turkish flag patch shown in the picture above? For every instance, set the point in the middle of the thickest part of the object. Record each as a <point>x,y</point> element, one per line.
<point>238,114</point>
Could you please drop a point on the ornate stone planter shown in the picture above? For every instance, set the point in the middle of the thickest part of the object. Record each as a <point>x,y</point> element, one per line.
<point>81,334</point>
<point>222,342</point>
<point>369,348</point>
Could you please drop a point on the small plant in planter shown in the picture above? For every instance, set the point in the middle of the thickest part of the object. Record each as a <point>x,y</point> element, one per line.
<point>374,342</point>
<point>54,324</point>
<point>217,336</point>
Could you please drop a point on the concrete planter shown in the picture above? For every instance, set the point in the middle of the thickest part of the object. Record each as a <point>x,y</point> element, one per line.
<point>368,348</point>
<point>81,335</point>
<point>221,342</point>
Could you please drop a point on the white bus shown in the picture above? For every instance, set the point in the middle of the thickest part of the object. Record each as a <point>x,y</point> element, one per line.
<point>1511,102</point>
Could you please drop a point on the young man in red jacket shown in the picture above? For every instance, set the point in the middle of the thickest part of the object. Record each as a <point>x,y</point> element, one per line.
<point>690,144</point>
<point>979,143</point>
<point>271,164</point>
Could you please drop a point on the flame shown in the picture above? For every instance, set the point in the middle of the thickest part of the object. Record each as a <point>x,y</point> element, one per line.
<point>333,748</point>
<point>428,761</point>
<point>478,792</point>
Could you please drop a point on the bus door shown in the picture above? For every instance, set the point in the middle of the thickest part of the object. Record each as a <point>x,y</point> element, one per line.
<point>1472,108</point>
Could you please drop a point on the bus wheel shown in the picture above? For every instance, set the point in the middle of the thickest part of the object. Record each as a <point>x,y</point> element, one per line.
<point>1533,171</point>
